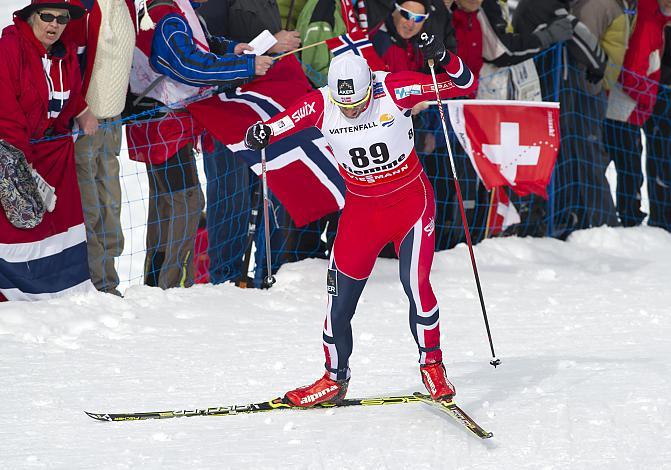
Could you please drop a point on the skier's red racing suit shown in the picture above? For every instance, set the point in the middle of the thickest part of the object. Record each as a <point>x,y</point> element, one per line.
<point>388,199</point>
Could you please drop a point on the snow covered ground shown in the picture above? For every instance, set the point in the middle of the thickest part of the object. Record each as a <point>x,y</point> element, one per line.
<point>582,328</point>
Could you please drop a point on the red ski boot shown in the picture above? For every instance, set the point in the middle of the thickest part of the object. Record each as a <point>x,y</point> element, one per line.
<point>435,381</point>
<point>323,390</point>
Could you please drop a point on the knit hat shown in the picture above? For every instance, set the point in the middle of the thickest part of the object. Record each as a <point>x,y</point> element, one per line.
<point>19,195</point>
<point>75,8</point>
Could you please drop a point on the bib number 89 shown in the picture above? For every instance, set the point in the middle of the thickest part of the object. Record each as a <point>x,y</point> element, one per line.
<point>379,154</point>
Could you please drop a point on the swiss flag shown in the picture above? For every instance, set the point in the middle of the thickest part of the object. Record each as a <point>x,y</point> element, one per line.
<point>502,212</point>
<point>510,143</point>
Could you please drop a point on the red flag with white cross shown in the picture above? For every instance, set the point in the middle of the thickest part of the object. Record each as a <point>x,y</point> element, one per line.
<point>510,143</point>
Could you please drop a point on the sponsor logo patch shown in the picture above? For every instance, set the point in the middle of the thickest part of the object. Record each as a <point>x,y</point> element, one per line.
<point>282,125</point>
<point>442,86</point>
<point>405,91</point>
<point>332,282</point>
<point>387,120</point>
<point>305,110</point>
<point>346,87</point>
<point>430,227</point>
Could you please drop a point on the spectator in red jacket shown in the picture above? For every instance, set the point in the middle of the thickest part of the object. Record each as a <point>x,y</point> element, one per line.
<point>40,95</point>
<point>395,40</point>
<point>469,35</point>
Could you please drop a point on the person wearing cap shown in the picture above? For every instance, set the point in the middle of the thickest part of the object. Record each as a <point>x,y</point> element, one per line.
<point>40,97</point>
<point>365,119</point>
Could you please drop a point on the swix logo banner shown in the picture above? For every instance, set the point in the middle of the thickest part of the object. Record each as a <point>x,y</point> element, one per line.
<point>510,143</point>
<point>356,43</point>
<point>305,110</point>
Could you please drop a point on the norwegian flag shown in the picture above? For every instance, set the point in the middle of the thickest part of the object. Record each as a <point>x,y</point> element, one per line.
<point>510,143</point>
<point>502,212</point>
<point>357,43</point>
<point>301,171</point>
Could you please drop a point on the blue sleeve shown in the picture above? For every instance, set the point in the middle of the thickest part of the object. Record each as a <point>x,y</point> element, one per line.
<point>222,45</point>
<point>175,54</point>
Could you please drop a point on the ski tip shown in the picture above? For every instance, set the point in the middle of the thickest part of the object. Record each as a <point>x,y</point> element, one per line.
<point>98,416</point>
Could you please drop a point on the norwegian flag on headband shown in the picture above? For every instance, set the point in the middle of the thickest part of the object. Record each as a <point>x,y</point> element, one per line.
<point>301,172</point>
<point>502,212</point>
<point>510,143</point>
<point>356,43</point>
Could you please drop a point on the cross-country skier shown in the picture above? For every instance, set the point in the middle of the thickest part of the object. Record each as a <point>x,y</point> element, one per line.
<point>365,118</point>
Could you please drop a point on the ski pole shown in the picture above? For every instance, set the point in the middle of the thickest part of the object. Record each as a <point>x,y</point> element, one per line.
<point>495,361</point>
<point>269,279</point>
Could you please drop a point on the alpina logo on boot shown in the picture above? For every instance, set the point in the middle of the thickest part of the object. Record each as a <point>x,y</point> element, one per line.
<point>427,380</point>
<point>321,393</point>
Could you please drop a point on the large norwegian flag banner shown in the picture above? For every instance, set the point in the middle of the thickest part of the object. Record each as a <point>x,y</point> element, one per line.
<point>510,143</point>
<point>301,171</point>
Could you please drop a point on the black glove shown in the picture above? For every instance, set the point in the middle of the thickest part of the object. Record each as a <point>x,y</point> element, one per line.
<point>257,136</point>
<point>557,31</point>
<point>433,48</point>
<point>594,76</point>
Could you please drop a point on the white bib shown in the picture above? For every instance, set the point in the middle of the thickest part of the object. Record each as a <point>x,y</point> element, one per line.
<point>373,147</point>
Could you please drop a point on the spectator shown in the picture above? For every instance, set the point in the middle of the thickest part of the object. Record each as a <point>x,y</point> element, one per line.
<point>40,95</point>
<point>658,146</point>
<point>631,102</point>
<point>508,71</point>
<point>289,11</point>
<point>243,20</point>
<point>582,194</point>
<point>377,11</point>
<point>173,60</point>
<point>396,40</point>
<point>232,189</point>
<point>107,40</point>
<point>469,34</point>
<point>319,20</point>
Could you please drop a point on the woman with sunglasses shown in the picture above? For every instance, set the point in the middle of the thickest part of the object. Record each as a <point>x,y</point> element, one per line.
<point>365,119</point>
<point>40,97</point>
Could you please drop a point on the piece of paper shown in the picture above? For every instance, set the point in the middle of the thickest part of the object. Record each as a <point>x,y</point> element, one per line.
<point>262,43</point>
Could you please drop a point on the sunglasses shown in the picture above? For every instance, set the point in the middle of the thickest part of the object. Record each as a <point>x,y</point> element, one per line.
<point>409,15</point>
<point>49,17</point>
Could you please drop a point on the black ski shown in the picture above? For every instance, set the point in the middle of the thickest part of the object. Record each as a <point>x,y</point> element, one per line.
<point>451,408</point>
<point>276,404</point>
<point>447,406</point>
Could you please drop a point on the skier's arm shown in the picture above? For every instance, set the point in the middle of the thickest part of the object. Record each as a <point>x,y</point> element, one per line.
<point>306,112</point>
<point>409,88</point>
